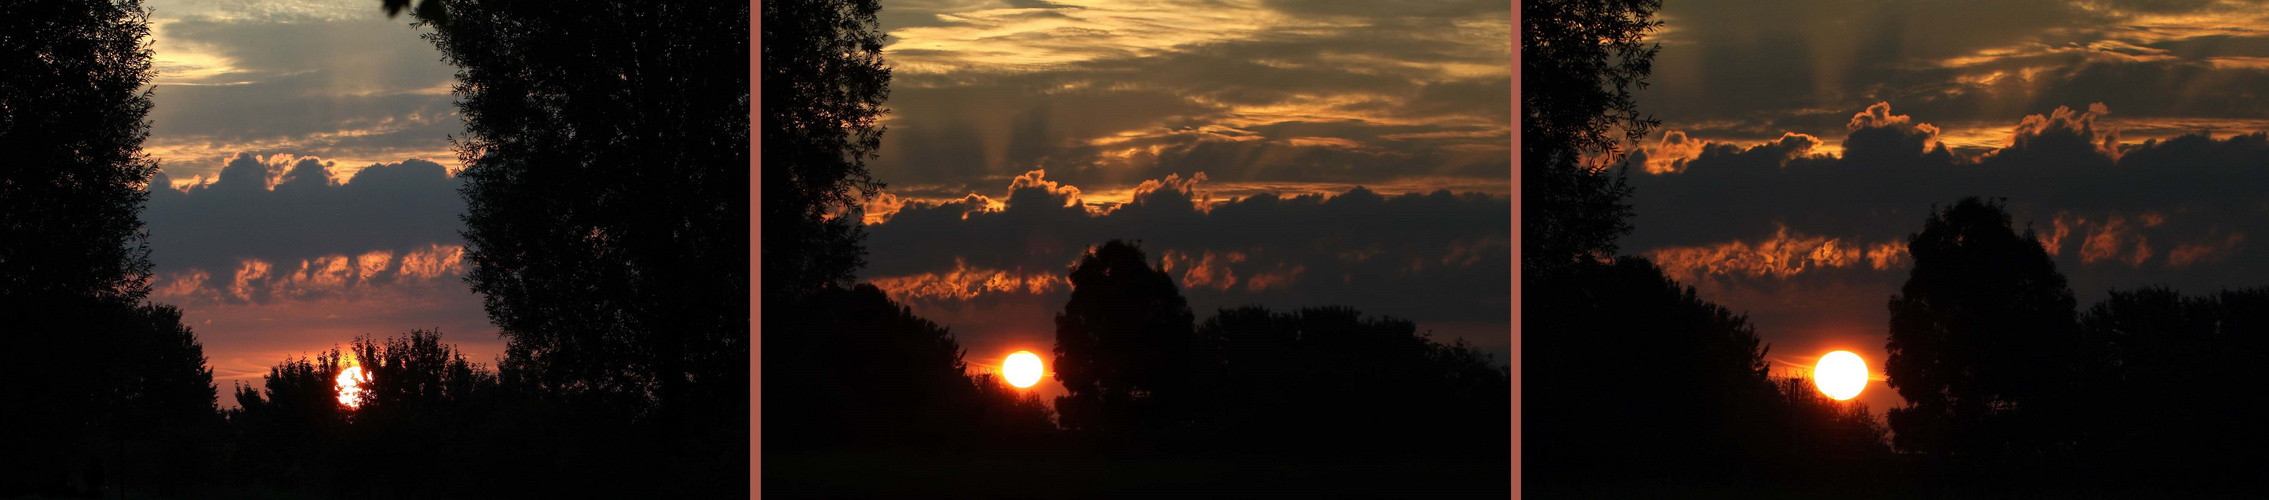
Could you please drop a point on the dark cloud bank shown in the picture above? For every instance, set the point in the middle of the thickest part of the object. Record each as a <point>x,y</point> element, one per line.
<point>996,266</point>
<point>1811,245</point>
<point>285,210</point>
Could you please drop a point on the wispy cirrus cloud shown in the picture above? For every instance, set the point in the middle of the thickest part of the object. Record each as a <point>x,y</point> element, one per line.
<point>330,78</point>
<point>1106,95</point>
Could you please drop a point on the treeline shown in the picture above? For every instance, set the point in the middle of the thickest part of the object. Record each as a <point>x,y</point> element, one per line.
<point>853,373</point>
<point>865,399</point>
<point>428,421</point>
<point>616,275</point>
<point>1635,385</point>
<point>1631,383</point>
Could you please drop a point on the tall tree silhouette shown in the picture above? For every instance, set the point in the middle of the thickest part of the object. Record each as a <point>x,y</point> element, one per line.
<point>1580,60</point>
<point>606,212</point>
<point>1126,348</point>
<point>1983,339</point>
<point>73,103</point>
<point>106,382</point>
<point>824,83</point>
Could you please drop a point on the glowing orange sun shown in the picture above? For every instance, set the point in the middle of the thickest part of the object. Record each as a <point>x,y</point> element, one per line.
<point>1021,369</point>
<point>350,386</point>
<point>1840,375</point>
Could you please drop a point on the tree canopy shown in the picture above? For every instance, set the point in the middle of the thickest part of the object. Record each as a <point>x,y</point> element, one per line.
<point>74,103</point>
<point>606,213</point>
<point>1580,62</point>
<point>1982,337</point>
<point>1126,347</point>
<point>824,84</point>
<point>102,381</point>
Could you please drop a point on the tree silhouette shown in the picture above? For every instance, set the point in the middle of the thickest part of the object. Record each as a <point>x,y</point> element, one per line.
<point>904,366</point>
<point>824,83</point>
<point>1125,345</point>
<point>2166,392</point>
<point>106,383</point>
<point>1983,339</point>
<point>1840,443</point>
<point>1580,60</point>
<point>73,105</point>
<point>427,10</point>
<point>606,211</point>
<point>425,404</point>
<point>282,428</point>
<point>1289,377</point>
<point>1637,377</point>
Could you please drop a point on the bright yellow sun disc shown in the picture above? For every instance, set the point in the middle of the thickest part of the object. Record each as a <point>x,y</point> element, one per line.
<point>1840,375</point>
<point>1021,369</point>
<point>350,386</point>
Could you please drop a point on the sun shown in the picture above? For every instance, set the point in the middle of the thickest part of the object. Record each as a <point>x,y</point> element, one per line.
<point>350,386</point>
<point>1840,375</point>
<point>1021,369</point>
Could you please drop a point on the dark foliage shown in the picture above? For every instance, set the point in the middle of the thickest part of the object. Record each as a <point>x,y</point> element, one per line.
<point>606,216</point>
<point>427,10</point>
<point>113,396</point>
<point>109,394</point>
<point>1126,347</point>
<point>1580,61</point>
<point>429,414</point>
<point>824,83</point>
<point>291,438</point>
<point>2173,384</point>
<point>906,372</point>
<point>73,105</point>
<point>428,420</point>
<point>1983,344</point>
<point>1635,374</point>
<point>1288,377</point>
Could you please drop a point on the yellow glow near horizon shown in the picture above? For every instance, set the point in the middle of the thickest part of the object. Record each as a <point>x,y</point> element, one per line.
<point>1840,375</point>
<point>1021,369</point>
<point>350,386</point>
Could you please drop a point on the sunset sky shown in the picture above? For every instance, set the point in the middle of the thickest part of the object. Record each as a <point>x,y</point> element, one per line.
<point>307,145</point>
<point>1800,142</point>
<point>1230,137</point>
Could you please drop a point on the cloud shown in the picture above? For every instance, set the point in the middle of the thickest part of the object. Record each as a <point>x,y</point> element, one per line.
<point>1810,244</point>
<point>1435,258</point>
<point>295,212</point>
<point>282,255</point>
<point>1781,256</point>
<point>1107,95</point>
<point>320,78</point>
<point>1747,72</point>
<point>2207,250</point>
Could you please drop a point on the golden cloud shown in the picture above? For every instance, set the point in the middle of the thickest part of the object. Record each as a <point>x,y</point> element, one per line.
<point>964,283</point>
<point>258,280</point>
<point>1786,254</point>
<point>2204,251</point>
<point>2106,242</point>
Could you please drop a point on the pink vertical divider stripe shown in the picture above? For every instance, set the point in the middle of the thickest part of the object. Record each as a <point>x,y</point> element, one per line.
<point>1515,362</point>
<point>755,271</point>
